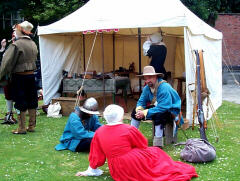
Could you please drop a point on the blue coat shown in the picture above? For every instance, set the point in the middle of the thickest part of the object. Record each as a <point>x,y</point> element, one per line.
<point>75,131</point>
<point>167,100</point>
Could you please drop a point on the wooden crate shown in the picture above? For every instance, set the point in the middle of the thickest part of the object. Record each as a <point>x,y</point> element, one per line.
<point>67,104</point>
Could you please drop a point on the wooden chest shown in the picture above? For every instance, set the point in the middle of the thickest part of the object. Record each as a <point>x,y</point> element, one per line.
<point>67,104</point>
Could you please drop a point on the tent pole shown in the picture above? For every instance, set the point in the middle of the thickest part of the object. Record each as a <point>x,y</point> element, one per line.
<point>84,57</point>
<point>104,102</point>
<point>113,53</point>
<point>139,58</point>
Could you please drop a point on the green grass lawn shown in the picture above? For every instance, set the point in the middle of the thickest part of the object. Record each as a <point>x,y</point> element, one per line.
<point>32,156</point>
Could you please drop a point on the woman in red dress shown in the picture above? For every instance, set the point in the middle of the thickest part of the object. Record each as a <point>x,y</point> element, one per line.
<point>128,154</point>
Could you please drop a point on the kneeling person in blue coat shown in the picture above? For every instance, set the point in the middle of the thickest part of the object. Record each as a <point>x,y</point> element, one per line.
<point>80,127</point>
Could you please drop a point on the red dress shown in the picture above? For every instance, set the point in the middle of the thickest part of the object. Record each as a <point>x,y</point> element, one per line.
<point>130,158</point>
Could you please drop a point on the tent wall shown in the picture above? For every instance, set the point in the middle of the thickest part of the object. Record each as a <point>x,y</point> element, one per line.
<point>57,53</point>
<point>126,52</point>
<point>95,63</point>
<point>212,56</point>
<point>179,66</point>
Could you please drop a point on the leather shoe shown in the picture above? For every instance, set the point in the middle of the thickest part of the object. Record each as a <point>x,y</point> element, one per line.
<point>17,131</point>
<point>30,129</point>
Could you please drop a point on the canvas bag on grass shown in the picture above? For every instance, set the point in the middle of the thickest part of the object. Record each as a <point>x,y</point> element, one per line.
<point>198,151</point>
<point>54,110</point>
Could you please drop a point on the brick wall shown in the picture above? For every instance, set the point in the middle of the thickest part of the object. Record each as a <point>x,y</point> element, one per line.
<point>229,25</point>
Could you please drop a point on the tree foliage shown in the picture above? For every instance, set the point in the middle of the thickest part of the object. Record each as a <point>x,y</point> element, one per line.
<point>9,5</point>
<point>48,11</point>
<point>207,10</point>
<point>38,12</point>
<point>230,6</point>
<point>42,12</point>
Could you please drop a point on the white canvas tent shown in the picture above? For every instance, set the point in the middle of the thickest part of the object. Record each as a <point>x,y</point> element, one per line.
<point>61,43</point>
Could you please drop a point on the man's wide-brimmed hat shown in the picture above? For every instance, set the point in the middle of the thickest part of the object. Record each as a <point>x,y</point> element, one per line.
<point>90,106</point>
<point>149,70</point>
<point>26,27</point>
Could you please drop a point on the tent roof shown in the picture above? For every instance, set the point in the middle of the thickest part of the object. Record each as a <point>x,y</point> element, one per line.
<point>127,15</point>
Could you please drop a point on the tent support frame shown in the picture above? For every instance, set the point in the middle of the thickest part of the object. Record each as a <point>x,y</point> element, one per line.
<point>84,54</point>
<point>139,58</point>
<point>102,39</point>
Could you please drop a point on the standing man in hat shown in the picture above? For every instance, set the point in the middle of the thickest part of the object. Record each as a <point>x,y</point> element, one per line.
<point>18,63</point>
<point>165,104</point>
<point>80,127</point>
<point>156,49</point>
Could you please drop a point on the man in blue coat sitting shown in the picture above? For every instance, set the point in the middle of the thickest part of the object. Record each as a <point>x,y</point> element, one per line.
<point>80,127</point>
<point>158,102</point>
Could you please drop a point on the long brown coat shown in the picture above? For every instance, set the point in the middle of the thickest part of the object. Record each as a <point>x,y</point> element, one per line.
<point>19,57</point>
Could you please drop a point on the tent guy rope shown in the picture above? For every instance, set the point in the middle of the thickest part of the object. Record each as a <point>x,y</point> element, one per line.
<point>79,92</point>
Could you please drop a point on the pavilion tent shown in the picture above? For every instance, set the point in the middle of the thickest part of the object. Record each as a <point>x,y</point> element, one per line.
<point>65,45</point>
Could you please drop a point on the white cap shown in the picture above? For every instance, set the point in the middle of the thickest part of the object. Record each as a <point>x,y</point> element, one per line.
<point>113,114</point>
<point>156,38</point>
<point>26,27</point>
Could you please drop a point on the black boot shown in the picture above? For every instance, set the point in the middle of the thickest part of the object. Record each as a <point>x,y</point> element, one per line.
<point>9,119</point>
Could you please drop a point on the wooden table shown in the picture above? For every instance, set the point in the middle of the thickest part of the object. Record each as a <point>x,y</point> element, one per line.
<point>71,85</point>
